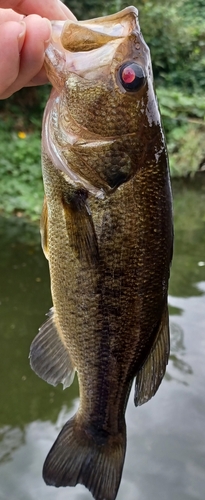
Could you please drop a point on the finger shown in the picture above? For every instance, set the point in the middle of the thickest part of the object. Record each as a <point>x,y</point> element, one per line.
<point>39,79</point>
<point>38,33</point>
<point>9,15</point>
<point>52,9</point>
<point>12,35</point>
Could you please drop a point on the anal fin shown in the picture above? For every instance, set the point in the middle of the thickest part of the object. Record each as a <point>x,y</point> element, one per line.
<point>152,372</point>
<point>49,357</point>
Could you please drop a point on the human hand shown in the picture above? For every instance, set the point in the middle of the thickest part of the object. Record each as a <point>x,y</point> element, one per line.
<point>23,41</point>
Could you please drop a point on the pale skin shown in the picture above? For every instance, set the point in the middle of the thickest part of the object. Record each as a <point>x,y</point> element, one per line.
<point>25,31</point>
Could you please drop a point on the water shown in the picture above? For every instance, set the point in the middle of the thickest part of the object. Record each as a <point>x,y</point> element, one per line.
<point>166,437</point>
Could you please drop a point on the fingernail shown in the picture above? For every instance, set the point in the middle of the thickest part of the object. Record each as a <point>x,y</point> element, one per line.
<point>21,35</point>
<point>47,41</point>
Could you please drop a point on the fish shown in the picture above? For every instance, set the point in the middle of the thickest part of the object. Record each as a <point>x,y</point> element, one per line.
<point>107,232</point>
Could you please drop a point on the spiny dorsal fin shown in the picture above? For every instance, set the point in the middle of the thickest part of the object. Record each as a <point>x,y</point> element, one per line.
<point>49,357</point>
<point>152,372</point>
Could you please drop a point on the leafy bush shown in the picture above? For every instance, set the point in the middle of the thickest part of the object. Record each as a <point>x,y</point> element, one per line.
<point>21,188</point>
<point>175,32</point>
<point>184,121</point>
<point>186,149</point>
<point>87,9</point>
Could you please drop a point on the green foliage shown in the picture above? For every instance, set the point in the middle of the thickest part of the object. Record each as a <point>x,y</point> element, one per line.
<point>21,188</point>
<point>186,149</point>
<point>177,42</point>
<point>177,105</point>
<point>189,244</point>
<point>88,9</point>
<point>24,109</point>
<point>184,121</point>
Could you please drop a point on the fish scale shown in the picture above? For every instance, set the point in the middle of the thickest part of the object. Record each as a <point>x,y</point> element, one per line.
<point>107,233</point>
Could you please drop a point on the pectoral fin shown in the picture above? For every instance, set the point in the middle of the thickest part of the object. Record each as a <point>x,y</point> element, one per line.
<point>152,372</point>
<point>49,357</point>
<point>80,227</point>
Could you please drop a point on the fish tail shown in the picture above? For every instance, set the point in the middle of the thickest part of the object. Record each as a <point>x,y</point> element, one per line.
<point>86,456</point>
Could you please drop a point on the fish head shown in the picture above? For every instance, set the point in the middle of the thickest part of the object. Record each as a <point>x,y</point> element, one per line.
<point>102,73</point>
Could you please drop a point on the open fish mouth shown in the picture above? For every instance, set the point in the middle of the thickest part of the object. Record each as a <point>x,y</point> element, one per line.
<point>87,48</point>
<point>89,35</point>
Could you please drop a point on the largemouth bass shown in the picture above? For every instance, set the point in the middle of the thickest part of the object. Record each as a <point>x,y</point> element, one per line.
<point>107,234</point>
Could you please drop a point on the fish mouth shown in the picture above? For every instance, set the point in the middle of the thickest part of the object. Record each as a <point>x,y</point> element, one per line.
<point>96,32</point>
<point>88,48</point>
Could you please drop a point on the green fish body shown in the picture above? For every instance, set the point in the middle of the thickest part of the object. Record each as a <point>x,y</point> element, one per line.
<point>107,234</point>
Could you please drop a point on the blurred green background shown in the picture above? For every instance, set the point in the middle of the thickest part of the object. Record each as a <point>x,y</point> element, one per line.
<point>175,33</point>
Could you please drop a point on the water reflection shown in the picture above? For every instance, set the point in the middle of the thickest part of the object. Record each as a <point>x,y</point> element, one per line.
<point>178,351</point>
<point>10,440</point>
<point>189,246</point>
<point>166,439</point>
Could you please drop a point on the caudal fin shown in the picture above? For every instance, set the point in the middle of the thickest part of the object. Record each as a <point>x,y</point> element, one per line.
<point>93,459</point>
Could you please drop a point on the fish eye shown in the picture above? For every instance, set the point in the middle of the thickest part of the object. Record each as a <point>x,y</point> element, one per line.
<point>132,76</point>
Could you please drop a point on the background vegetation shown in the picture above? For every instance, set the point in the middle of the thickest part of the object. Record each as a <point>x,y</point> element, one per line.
<point>175,33</point>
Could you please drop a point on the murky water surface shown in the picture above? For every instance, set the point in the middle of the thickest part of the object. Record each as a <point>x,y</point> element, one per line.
<point>166,437</point>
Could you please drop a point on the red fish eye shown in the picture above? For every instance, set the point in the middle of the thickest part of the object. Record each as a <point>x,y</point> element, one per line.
<point>132,76</point>
<point>128,74</point>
